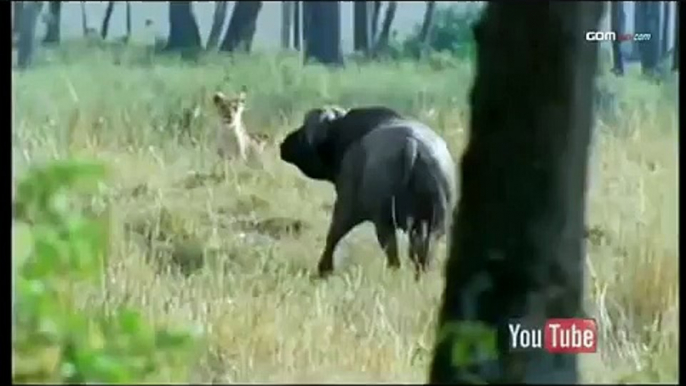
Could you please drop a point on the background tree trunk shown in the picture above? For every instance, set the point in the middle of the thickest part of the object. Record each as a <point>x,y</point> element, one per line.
<point>383,40</point>
<point>84,19</point>
<point>363,11</point>
<point>666,18</point>
<point>183,29</point>
<point>106,20</point>
<point>427,25</point>
<point>375,20</point>
<point>618,23</point>
<point>52,34</point>
<point>27,33</point>
<point>17,8</point>
<point>517,248</point>
<point>286,24</point>
<point>650,23</point>
<point>297,21</point>
<point>323,39</point>
<point>675,56</point>
<point>128,21</point>
<point>241,31</point>
<point>220,10</point>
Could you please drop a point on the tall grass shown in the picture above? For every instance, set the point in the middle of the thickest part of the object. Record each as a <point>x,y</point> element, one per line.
<point>233,252</point>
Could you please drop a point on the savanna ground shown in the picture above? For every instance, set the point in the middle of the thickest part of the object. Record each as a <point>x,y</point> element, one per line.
<point>231,250</point>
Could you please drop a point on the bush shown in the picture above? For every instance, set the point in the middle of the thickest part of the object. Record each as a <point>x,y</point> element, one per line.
<point>56,248</point>
<point>452,32</point>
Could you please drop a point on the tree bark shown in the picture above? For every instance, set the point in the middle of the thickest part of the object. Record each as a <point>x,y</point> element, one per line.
<point>27,33</point>
<point>382,41</point>
<point>649,49</point>
<point>675,56</point>
<point>128,21</point>
<point>297,22</point>
<point>323,39</point>
<point>517,247</point>
<point>618,23</point>
<point>286,24</point>
<point>242,26</point>
<point>183,29</point>
<point>106,20</point>
<point>52,34</point>
<point>427,26</point>
<point>220,10</point>
<point>363,11</point>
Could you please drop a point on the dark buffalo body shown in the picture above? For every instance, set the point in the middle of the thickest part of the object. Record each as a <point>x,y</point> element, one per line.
<point>387,169</point>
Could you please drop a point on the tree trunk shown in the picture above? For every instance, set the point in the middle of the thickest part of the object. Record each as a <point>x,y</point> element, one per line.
<point>220,10</point>
<point>618,23</point>
<point>427,25</point>
<point>666,18</point>
<point>323,39</point>
<point>286,24</point>
<point>305,10</point>
<point>242,26</point>
<point>375,20</point>
<point>184,35</point>
<point>650,23</point>
<point>297,21</point>
<point>382,42</point>
<point>363,11</point>
<point>52,34</point>
<point>106,20</point>
<point>517,248</point>
<point>128,21</point>
<point>17,8</point>
<point>27,33</point>
<point>675,56</point>
<point>84,19</point>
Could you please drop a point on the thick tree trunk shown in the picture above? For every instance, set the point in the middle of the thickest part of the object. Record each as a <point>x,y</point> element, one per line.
<point>128,21</point>
<point>183,29</point>
<point>220,10</point>
<point>27,33</point>
<point>297,22</point>
<point>363,11</point>
<point>517,247</point>
<point>242,26</point>
<point>650,23</point>
<point>666,17</point>
<point>618,23</point>
<point>286,24</point>
<point>323,39</point>
<point>675,57</point>
<point>384,36</point>
<point>104,30</point>
<point>52,34</point>
<point>17,8</point>
<point>427,25</point>
<point>84,19</point>
<point>375,20</point>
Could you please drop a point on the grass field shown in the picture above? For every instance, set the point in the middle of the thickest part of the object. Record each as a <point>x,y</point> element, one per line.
<point>233,252</point>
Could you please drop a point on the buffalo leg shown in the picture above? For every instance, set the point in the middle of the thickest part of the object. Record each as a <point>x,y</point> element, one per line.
<point>420,249</point>
<point>385,234</point>
<point>341,223</point>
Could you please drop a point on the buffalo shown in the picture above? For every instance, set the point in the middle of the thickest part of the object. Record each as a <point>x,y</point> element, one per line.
<point>387,169</point>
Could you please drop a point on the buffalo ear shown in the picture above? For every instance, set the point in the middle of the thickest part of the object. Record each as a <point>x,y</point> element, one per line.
<point>316,124</point>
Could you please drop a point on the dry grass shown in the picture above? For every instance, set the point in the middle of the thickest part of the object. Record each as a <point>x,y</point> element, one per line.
<point>231,250</point>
